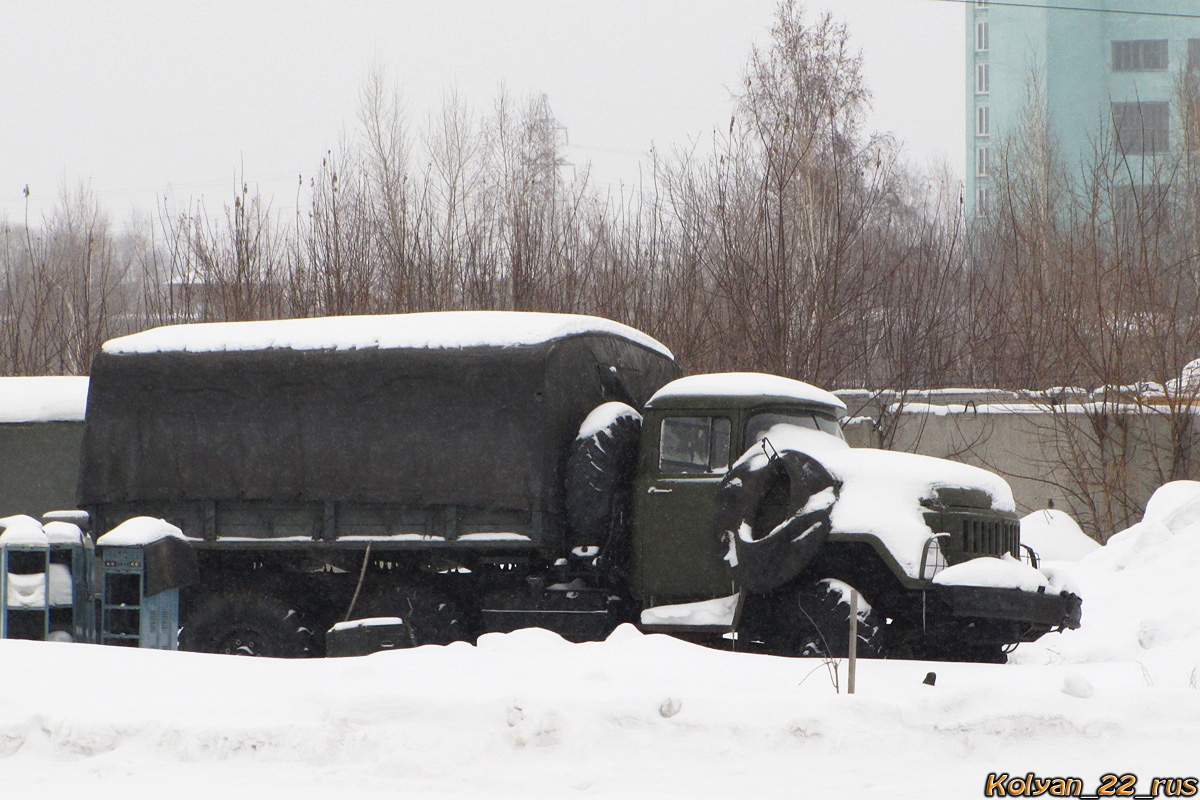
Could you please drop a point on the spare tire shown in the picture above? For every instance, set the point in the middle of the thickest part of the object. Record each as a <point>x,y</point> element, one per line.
<point>772,512</point>
<point>599,482</point>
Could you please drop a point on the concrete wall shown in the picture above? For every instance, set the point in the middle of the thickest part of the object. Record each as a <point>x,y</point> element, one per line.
<point>1100,462</point>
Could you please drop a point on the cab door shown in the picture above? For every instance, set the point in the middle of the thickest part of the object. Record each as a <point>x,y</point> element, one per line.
<point>676,554</point>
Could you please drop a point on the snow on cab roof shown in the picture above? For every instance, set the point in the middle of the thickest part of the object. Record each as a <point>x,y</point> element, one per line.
<point>435,330</point>
<point>43,399</point>
<point>747,384</point>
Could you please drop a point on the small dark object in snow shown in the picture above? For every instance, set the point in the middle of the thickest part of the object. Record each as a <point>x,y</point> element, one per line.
<point>930,678</point>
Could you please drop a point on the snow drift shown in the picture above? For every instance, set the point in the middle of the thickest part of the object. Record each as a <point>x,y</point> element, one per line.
<point>529,715</point>
<point>1140,595</point>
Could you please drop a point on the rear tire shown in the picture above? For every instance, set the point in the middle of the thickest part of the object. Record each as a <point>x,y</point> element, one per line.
<point>245,623</point>
<point>430,615</point>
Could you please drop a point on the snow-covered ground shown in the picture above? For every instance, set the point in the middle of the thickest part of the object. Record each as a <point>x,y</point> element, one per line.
<point>529,715</point>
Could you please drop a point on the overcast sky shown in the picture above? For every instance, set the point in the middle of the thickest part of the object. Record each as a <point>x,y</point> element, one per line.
<point>149,99</point>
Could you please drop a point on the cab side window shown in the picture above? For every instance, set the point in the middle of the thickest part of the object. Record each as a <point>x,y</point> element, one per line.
<point>689,445</point>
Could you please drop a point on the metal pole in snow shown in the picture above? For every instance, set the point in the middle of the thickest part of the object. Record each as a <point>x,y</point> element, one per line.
<point>853,640</point>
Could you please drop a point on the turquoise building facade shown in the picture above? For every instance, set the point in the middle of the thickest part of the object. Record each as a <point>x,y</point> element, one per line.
<point>1105,72</point>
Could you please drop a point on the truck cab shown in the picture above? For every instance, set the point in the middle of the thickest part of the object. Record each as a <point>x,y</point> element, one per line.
<point>885,524</point>
<point>695,428</point>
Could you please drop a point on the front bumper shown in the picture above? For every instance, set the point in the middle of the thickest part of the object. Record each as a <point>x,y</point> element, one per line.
<point>1042,611</point>
<point>969,623</point>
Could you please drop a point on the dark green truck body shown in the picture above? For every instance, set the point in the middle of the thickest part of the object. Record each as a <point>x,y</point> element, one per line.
<point>426,483</point>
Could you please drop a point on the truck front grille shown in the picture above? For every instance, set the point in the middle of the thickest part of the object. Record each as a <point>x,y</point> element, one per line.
<point>991,537</point>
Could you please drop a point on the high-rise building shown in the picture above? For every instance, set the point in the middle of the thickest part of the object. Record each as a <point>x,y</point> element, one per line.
<point>1107,68</point>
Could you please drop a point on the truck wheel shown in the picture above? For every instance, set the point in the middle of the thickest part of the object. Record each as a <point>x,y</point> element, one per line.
<point>772,512</point>
<point>430,616</point>
<point>599,481</point>
<point>821,612</point>
<point>245,623</point>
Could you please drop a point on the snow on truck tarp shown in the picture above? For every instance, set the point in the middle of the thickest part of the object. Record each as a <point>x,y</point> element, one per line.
<point>43,399</point>
<point>748,384</point>
<point>433,330</point>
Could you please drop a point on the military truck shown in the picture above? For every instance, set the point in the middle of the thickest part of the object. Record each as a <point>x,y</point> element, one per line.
<point>451,474</point>
<point>41,428</point>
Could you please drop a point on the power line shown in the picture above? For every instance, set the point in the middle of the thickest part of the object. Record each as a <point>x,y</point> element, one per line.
<point>1075,8</point>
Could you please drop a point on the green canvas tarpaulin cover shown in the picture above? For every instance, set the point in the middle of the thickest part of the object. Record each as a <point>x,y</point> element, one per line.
<point>478,425</point>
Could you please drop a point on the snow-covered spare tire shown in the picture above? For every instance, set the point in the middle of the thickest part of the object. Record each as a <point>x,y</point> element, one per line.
<point>599,481</point>
<point>766,548</point>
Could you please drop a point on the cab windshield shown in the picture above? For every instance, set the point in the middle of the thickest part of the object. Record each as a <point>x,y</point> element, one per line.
<point>795,430</point>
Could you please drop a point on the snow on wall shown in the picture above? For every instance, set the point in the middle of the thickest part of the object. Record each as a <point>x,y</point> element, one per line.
<point>748,384</point>
<point>1026,408</point>
<point>43,399</point>
<point>433,330</point>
